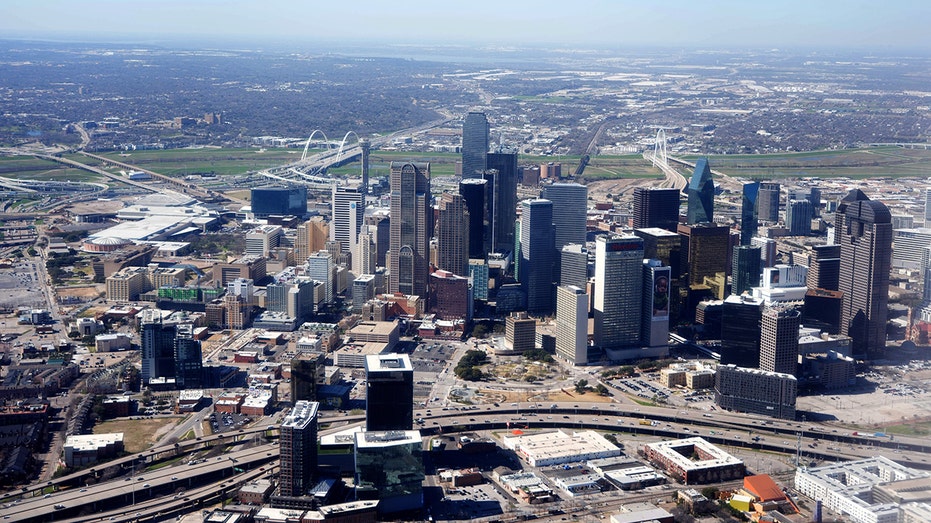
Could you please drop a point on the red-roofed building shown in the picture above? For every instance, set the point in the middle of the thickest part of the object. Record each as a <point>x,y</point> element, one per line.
<point>763,488</point>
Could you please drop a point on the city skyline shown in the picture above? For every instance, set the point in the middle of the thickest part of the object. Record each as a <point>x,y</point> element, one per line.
<point>790,23</point>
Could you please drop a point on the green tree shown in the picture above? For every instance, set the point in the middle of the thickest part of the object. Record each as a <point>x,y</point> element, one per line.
<point>581,386</point>
<point>602,390</point>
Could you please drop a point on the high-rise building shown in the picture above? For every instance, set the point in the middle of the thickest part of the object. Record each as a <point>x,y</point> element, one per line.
<point>320,267</point>
<point>365,253</point>
<point>748,212</point>
<point>767,250</point>
<point>570,205</point>
<point>363,290</point>
<point>618,291</point>
<point>284,201</point>
<point>348,211</point>
<point>700,191</point>
<point>189,372</point>
<point>657,283</point>
<point>910,248</point>
<point>865,239</point>
<point>665,246</point>
<point>389,397</point>
<point>450,296</point>
<point>538,254</point>
<point>452,233</point>
<point>779,340</point>
<point>573,265</point>
<point>478,272</point>
<point>768,202</point>
<point>297,444</point>
<point>811,194</point>
<point>311,237</point>
<point>747,269</point>
<point>366,147</point>
<point>928,206</point>
<point>503,198</point>
<point>740,331</point>
<point>824,268</point>
<point>755,391</point>
<point>389,468</point>
<point>572,324</point>
<point>656,207</point>
<point>798,217</point>
<point>158,346</point>
<point>262,239</point>
<point>474,144</point>
<point>705,251</point>
<point>307,371</point>
<point>520,332</point>
<point>378,218</point>
<point>473,191</point>
<point>411,228</point>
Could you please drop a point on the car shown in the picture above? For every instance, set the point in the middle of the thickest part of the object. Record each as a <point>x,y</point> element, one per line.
<point>174,478</point>
<point>146,485</point>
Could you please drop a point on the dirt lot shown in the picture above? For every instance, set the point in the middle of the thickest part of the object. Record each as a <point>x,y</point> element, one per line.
<point>87,291</point>
<point>138,434</point>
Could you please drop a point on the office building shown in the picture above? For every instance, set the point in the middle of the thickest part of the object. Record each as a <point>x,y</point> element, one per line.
<point>478,273</point>
<point>520,332</point>
<point>811,194</point>
<point>366,147</point>
<point>654,330</point>
<point>389,397</point>
<point>262,239</point>
<point>450,296</point>
<point>473,191</point>
<point>779,340</point>
<point>928,206</point>
<point>474,145</point>
<point>307,372</point>
<point>189,372</point>
<point>452,233</point>
<point>704,251</point>
<point>157,345</point>
<point>747,267</point>
<point>694,460</point>
<point>865,239</point>
<point>573,265</point>
<point>311,237</point>
<point>365,253</point>
<point>389,468</point>
<point>411,228</point>
<point>363,290</point>
<point>910,248</point>
<point>767,250</point>
<point>768,202</point>
<point>656,207</point>
<point>665,246</point>
<point>348,208</point>
<point>297,444</point>
<point>537,254</point>
<point>570,205</point>
<point>798,217</point>
<point>748,212</point>
<point>250,267</point>
<point>740,331</point>
<point>572,324</point>
<point>283,201</point>
<point>618,291</point>
<point>755,391</point>
<point>320,267</point>
<point>377,218</point>
<point>700,191</point>
<point>242,287</point>
<point>502,169</point>
<point>824,268</point>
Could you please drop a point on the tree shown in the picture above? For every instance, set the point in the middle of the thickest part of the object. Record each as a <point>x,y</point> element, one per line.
<point>602,390</point>
<point>581,386</point>
<point>479,331</point>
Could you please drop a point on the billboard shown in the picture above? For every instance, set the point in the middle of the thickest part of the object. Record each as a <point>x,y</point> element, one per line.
<point>660,302</point>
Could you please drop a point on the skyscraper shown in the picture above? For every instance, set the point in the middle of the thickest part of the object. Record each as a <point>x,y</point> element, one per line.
<point>656,207</point>
<point>474,144</point>
<point>452,234</point>
<point>618,291</point>
<point>366,147</point>
<point>573,265</point>
<point>747,268</point>
<point>298,449</point>
<point>389,396</point>
<point>768,202</point>
<point>158,346</point>
<point>473,191</point>
<point>798,217</point>
<point>503,207</point>
<point>411,228</point>
<point>865,239</point>
<point>311,237</point>
<point>664,246</point>
<point>365,253</point>
<point>748,212</point>
<point>705,249</point>
<point>570,205</point>
<point>307,370</point>
<point>779,340</point>
<point>701,194</point>
<point>572,324</point>
<point>348,212</point>
<point>927,206</point>
<point>657,283</point>
<point>189,372</point>
<point>320,267</point>
<point>740,331</point>
<point>537,254</point>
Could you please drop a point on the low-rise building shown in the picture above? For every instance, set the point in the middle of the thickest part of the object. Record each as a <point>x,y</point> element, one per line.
<point>82,450</point>
<point>694,460</point>
<point>556,448</point>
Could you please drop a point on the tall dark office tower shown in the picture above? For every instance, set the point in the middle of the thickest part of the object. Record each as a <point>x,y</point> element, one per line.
<point>779,340</point>
<point>704,251</point>
<point>307,370</point>
<point>474,144</point>
<point>189,371</point>
<point>452,235</point>
<point>768,202</point>
<point>537,254</point>
<point>665,246</point>
<point>798,217</point>
<point>348,212</point>
<point>811,194</point>
<point>865,239</point>
<point>656,207</point>
<point>411,228</point>
<point>158,347</point>
<point>701,194</point>
<point>618,307</point>
<point>740,331</point>
<point>573,265</point>
<point>747,268</point>
<point>297,446</point>
<point>570,207</point>
<point>504,204</point>
<point>366,147</point>
<point>389,396</point>
<point>279,200</point>
<point>473,192</point>
<point>824,268</point>
<point>748,214</point>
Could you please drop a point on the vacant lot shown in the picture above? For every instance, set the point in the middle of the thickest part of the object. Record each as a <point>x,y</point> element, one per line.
<point>138,434</point>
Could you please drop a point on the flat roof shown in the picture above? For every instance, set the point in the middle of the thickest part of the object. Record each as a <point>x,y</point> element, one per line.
<point>387,362</point>
<point>85,442</point>
<point>374,327</point>
<point>390,438</point>
<point>301,415</point>
<point>670,450</point>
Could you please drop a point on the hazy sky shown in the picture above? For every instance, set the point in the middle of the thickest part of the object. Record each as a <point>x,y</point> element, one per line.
<point>705,23</point>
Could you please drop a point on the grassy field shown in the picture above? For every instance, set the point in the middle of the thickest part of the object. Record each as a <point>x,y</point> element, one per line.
<point>138,434</point>
<point>910,429</point>
<point>31,168</point>
<point>220,162</point>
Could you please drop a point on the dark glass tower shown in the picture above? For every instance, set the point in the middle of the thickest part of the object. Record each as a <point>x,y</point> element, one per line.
<point>748,216</point>
<point>158,347</point>
<point>411,227</point>
<point>701,194</point>
<point>279,200</point>
<point>824,268</point>
<point>298,449</point>
<point>768,206</point>
<point>473,192</point>
<point>474,144</point>
<point>389,397</point>
<point>656,207</point>
<point>747,268</point>
<point>537,254</point>
<point>503,201</point>
<point>189,372</point>
<point>740,331</point>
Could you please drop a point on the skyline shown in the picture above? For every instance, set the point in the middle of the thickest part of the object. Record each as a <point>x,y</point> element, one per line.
<point>596,23</point>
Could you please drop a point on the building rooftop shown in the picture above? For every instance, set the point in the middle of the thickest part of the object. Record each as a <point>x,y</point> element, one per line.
<point>390,438</point>
<point>301,415</point>
<point>680,451</point>
<point>387,363</point>
<point>89,442</point>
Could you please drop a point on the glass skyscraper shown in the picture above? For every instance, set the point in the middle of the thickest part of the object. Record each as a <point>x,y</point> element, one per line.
<point>537,254</point>
<point>474,145</point>
<point>570,204</point>
<point>748,212</point>
<point>411,227</point>
<point>701,194</point>
<point>618,291</point>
